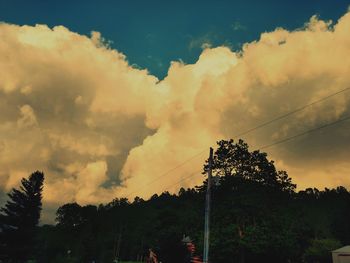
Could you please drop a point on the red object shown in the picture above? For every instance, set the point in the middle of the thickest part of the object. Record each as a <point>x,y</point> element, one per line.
<point>152,257</point>
<point>192,249</point>
<point>196,260</point>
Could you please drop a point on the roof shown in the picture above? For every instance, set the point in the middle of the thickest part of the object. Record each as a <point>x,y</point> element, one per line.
<point>345,249</point>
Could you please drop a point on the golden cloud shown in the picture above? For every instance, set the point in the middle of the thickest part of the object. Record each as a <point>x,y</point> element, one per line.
<point>99,128</point>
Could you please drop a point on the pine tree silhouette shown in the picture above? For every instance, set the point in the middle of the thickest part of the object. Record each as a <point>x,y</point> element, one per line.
<point>19,218</point>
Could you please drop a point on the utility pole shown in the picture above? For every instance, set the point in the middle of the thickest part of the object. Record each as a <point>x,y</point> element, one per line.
<point>118,246</point>
<point>207,210</point>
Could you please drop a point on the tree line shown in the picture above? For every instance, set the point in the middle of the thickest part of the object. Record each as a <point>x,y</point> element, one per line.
<point>257,216</point>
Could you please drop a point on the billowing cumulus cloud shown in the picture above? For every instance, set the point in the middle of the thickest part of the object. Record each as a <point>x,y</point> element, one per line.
<point>227,93</point>
<point>70,106</point>
<point>73,107</point>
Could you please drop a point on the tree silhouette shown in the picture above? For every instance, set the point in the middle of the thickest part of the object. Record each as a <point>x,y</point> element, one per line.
<point>69,216</point>
<point>256,217</point>
<point>235,159</point>
<point>19,218</point>
<point>250,197</point>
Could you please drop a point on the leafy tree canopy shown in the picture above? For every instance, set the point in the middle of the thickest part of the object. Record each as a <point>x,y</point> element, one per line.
<point>235,159</point>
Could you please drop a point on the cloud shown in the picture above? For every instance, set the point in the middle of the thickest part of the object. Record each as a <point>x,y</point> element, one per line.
<point>99,128</point>
<point>225,93</point>
<point>68,101</point>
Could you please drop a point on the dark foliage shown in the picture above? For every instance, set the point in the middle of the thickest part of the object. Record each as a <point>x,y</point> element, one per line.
<point>257,216</point>
<point>19,219</point>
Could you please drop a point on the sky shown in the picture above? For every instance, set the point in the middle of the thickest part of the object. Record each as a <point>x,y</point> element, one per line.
<point>107,98</point>
<point>155,32</point>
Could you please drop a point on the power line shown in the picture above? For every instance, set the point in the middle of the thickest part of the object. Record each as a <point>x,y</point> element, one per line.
<point>291,112</point>
<point>303,133</point>
<point>183,179</point>
<point>177,182</point>
<point>169,171</point>
<point>248,131</point>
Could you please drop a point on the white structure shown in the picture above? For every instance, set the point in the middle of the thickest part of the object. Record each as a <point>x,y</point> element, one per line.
<point>341,255</point>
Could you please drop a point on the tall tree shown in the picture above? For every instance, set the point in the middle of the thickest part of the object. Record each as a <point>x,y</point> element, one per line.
<point>19,218</point>
<point>251,193</point>
<point>235,159</point>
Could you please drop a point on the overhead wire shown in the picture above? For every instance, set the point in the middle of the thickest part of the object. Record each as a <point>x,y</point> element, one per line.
<point>167,172</point>
<point>292,112</point>
<point>306,132</point>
